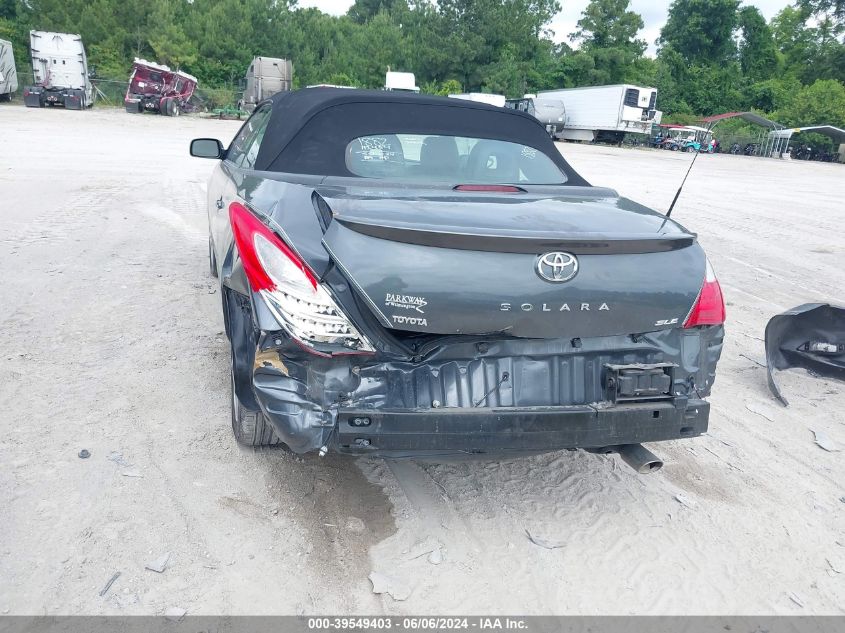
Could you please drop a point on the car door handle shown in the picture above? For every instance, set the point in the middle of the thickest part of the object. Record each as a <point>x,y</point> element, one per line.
<point>220,202</point>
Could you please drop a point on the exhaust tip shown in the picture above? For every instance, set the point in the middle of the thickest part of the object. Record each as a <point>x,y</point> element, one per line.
<point>640,458</point>
<point>650,467</point>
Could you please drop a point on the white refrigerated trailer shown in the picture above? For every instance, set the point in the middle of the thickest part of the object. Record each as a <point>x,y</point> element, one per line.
<point>8,74</point>
<point>60,69</point>
<point>604,113</point>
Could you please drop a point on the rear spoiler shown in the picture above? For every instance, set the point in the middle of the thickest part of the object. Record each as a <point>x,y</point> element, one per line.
<point>462,239</point>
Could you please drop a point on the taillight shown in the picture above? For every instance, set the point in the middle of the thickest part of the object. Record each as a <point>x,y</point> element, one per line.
<point>291,291</point>
<point>709,308</point>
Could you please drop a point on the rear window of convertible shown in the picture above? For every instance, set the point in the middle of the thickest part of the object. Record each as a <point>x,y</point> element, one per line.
<point>454,159</point>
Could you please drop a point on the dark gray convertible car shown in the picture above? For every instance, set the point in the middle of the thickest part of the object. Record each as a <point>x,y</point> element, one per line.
<point>412,275</point>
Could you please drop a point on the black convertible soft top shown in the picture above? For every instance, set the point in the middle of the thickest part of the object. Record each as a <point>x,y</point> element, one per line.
<point>310,129</point>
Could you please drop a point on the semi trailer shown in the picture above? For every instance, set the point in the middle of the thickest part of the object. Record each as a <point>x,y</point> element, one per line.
<point>8,74</point>
<point>156,88</point>
<point>60,72</point>
<point>604,113</point>
<point>265,77</point>
<point>482,97</point>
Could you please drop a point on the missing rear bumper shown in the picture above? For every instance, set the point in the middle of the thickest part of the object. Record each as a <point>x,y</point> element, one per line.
<point>530,429</point>
<point>500,395</point>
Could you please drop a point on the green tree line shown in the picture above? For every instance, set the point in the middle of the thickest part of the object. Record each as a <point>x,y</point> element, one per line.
<point>712,55</point>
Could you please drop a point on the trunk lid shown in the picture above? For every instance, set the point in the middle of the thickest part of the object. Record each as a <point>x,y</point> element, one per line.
<point>446,262</point>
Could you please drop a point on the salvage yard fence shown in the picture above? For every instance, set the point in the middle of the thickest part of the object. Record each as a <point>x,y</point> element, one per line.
<point>110,93</point>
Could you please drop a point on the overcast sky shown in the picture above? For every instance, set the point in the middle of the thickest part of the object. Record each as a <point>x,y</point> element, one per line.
<point>653,12</point>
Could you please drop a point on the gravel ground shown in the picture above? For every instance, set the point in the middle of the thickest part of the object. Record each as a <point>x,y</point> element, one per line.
<point>112,342</point>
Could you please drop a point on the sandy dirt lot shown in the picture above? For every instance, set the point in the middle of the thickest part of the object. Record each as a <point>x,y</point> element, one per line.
<point>112,342</point>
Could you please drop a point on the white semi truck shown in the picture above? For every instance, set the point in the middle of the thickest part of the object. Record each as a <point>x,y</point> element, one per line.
<point>550,112</point>
<point>8,74</point>
<point>265,77</point>
<point>605,113</point>
<point>60,69</point>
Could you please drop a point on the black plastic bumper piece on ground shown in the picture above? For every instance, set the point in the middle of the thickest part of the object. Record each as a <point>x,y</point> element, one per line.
<point>812,336</point>
<point>533,429</point>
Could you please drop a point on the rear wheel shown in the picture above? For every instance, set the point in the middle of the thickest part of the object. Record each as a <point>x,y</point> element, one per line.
<point>175,110</point>
<point>250,427</point>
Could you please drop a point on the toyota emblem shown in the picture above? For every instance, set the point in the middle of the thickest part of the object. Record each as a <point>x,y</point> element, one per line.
<point>557,267</point>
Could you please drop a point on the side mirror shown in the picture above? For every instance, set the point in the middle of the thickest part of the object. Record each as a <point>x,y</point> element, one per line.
<point>207,148</point>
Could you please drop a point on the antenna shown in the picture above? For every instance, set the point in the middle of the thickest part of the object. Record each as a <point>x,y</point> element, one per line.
<point>683,182</point>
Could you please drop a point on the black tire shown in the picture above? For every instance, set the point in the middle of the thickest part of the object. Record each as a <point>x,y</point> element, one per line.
<point>212,260</point>
<point>165,106</point>
<point>175,109</point>
<point>250,427</point>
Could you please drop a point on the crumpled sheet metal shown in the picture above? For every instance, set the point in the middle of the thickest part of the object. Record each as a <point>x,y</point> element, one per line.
<point>811,336</point>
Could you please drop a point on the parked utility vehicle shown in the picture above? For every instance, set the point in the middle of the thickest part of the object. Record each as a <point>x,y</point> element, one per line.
<point>156,88</point>
<point>605,113</point>
<point>60,70</point>
<point>8,74</point>
<point>265,77</point>
<point>686,138</point>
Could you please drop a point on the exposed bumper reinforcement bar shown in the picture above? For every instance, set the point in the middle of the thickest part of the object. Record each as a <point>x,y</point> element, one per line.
<point>526,429</point>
